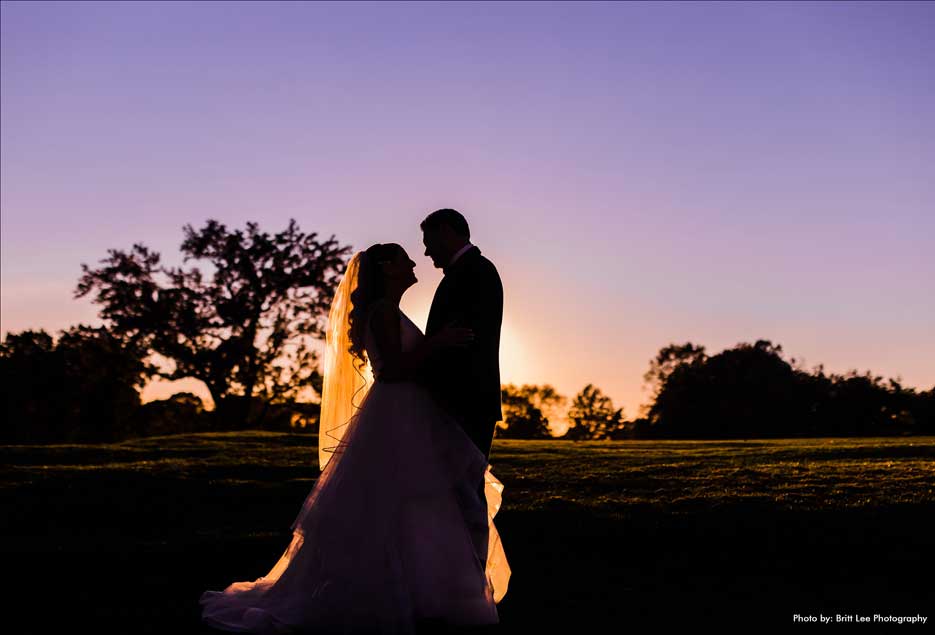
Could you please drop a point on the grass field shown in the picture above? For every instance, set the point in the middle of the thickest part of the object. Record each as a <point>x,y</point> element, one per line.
<point>122,538</point>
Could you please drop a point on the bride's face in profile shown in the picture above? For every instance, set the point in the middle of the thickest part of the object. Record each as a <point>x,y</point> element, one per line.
<point>400,271</point>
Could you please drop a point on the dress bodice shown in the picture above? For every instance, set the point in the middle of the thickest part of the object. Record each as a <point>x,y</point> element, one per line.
<point>409,337</point>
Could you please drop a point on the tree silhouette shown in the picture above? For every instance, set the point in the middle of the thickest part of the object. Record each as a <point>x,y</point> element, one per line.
<point>522,418</point>
<point>548,400</point>
<point>180,413</point>
<point>742,391</point>
<point>30,384</point>
<point>922,412</point>
<point>751,391</point>
<point>668,359</point>
<point>593,416</point>
<point>234,331</point>
<point>855,404</point>
<point>85,387</point>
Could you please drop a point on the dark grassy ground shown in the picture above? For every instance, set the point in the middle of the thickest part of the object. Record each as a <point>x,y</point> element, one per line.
<point>123,538</point>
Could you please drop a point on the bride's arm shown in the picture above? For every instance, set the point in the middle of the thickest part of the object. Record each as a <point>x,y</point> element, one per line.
<point>398,364</point>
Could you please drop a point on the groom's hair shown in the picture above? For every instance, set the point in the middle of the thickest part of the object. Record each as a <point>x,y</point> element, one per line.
<point>450,217</point>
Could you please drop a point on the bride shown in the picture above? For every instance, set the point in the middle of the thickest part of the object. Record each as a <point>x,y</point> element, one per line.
<point>381,544</point>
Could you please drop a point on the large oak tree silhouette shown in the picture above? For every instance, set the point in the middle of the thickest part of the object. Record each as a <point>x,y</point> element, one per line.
<point>245,330</point>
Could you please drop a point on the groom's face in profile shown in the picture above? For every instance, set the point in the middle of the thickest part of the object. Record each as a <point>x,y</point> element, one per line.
<point>437,245</point>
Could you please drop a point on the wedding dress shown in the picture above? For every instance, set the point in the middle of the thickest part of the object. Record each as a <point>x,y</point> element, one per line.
<point>381,542</point>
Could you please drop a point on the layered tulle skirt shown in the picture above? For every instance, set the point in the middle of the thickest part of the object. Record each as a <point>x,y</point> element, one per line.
<point>384,540</point>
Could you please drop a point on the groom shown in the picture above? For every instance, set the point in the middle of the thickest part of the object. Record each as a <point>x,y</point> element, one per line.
<point>466,380</point>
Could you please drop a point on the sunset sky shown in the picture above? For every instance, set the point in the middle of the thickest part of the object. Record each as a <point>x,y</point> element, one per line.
<point>641,174</point>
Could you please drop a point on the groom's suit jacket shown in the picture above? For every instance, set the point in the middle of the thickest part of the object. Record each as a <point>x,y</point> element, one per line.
<point>466,380</point>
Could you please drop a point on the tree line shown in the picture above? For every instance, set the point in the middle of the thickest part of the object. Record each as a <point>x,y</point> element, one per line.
<point>247,330</point>
<point>748,391</point>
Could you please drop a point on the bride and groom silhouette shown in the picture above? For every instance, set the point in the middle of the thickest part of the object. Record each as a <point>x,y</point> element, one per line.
<point>397,534</point>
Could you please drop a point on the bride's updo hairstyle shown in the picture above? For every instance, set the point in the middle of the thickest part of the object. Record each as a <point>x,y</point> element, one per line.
<point>371,288</point>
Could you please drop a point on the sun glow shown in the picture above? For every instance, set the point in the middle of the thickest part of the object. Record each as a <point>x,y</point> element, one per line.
<point>159,388</point>
<point>515,360</point>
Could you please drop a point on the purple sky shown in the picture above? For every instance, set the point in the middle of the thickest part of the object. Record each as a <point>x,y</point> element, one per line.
<point>640,173</point>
